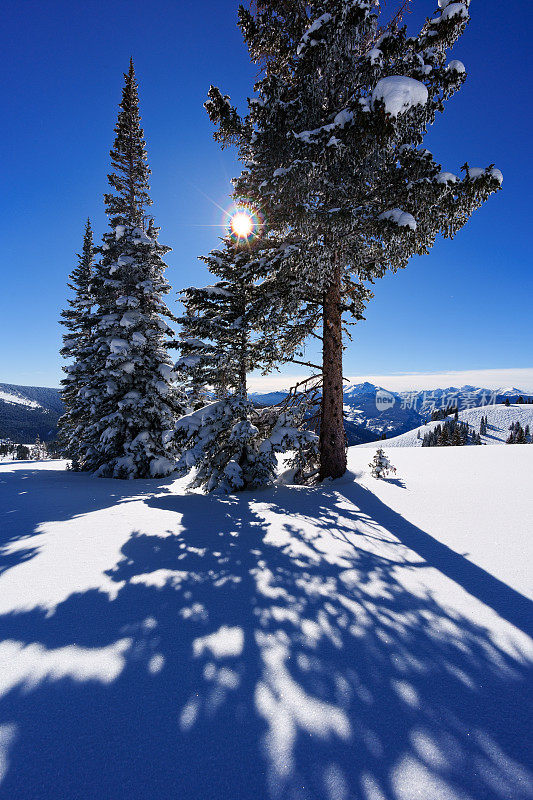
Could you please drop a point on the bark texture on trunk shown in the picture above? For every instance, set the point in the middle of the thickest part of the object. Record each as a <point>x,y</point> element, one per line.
<point>332,437</point>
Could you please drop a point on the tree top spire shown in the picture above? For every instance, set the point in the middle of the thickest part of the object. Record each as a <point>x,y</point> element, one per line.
<point>129,179</point>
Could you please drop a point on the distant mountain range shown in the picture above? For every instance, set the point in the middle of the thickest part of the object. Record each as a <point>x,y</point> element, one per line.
<point>370,411</point>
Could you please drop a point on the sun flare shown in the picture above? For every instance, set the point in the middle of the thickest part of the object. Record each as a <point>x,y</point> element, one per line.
<point>242,224</point>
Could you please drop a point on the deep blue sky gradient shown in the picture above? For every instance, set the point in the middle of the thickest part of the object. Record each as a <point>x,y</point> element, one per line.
<point>465,306</point>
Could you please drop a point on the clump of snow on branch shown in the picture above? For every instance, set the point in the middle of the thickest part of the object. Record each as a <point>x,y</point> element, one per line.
<point>399,94</point>
<point>450,10</point>
<point>479,172</point>
<point>401,218</point>
<point>456,66</point>
<point>446,177</point>
<point>307,38</point>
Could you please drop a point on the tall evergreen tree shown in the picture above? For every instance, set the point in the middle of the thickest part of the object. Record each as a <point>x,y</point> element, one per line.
<point>134,403</point>
<point>77,318</point>
<point>331,147</point>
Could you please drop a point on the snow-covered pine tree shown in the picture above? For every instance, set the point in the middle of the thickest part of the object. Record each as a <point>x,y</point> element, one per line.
<point>520,437</point>
<point>457,437</point>
<point>231,443</point>
<point>234,326</point>
<point>216,344</point>
<point>380,465</point>
<point>77,348</point>
<point>331,147</point>
<point>37,451</point>
<point>135,403</point>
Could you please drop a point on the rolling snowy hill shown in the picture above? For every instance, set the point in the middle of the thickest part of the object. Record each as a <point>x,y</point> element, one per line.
<point>361,640</point>
<point>29,411</point>
<point>499,418</point>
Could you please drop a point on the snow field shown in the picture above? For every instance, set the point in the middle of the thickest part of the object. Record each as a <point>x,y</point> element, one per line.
<point>328,643</point>
<point>476,500</point>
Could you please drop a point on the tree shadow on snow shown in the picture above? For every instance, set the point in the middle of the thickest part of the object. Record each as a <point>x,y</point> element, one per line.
<point>508,603</point>
<point>248,656</point>
<point>26,504</point>
<point>399,482</point>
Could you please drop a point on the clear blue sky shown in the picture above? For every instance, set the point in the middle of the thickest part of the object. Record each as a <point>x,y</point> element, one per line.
<point>465,306</point>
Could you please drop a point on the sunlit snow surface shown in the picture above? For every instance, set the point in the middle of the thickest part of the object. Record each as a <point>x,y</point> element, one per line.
<point>362,640</point>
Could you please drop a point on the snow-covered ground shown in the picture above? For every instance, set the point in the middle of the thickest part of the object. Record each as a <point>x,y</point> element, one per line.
<point>477,501</point>
<point>499,418</point>
<point>362,640</point>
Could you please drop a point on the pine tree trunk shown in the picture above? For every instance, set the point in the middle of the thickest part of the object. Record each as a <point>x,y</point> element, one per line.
<point>243,353</point>
<point>243,389</point>
<point>332,437</point>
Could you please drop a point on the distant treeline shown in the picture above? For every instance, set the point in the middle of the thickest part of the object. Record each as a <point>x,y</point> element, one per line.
<point>25,452</point>
<point>451,434</point>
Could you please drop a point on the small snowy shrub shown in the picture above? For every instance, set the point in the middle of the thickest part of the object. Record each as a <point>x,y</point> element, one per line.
<point>380,465</point>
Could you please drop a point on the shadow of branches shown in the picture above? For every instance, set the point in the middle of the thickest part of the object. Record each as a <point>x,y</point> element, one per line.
<point>282,646</point>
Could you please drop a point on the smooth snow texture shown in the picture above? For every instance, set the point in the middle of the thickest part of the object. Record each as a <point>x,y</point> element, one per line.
<point>361,640</point>
<point>29,665</point>
<point>482,506</point>
<point>223,643</point>
<point>399,94</point>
